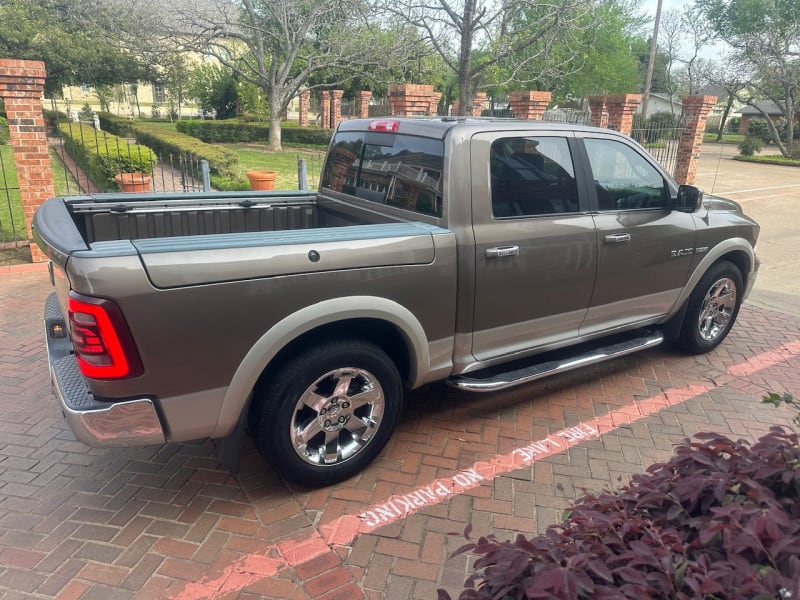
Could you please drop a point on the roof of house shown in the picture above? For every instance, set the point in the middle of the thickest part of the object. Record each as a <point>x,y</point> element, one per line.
<point>768,106</point>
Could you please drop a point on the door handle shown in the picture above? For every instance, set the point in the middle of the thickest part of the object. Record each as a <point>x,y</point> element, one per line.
<point>618,238</point>
<point>501,251</point>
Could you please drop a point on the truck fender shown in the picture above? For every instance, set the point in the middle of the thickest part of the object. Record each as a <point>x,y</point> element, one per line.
<point>306,319</point>
<point>724,248</point>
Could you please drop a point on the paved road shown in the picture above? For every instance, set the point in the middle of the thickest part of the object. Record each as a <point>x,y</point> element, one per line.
<point>168,522</point>
<point>771,195</point>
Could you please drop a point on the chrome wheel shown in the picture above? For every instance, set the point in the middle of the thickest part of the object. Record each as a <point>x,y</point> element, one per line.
<point>717,309</point>
<point>337,416</point>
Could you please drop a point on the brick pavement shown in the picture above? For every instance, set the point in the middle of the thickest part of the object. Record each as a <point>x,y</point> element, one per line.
<point>168,522</point>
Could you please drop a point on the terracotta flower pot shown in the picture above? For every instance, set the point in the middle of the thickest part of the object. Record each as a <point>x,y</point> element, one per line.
<point>262,180</point>
<point>133,182</point>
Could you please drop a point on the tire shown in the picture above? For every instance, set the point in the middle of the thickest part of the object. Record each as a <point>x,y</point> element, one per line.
<point>343,397</point>
<point>712,308</point>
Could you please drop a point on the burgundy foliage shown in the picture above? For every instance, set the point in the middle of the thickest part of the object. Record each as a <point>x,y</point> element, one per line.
<point>720,520</point>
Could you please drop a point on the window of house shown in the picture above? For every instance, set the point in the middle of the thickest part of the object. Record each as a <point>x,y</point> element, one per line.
<point>532,176</point>
<point>623,179</point>
<point>159,93</point>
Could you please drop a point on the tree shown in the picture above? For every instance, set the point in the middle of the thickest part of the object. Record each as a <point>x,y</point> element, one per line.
<point>485,43</point>
<point>214,87</point>
<point>73,52</point>
<point>278,45</point>
<point>765,38</point>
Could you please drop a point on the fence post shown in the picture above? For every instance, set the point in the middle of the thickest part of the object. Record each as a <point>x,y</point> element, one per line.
<point>206,175</point>
<point>21,86</point>
<point>695,113</point>
<point>302,174</point>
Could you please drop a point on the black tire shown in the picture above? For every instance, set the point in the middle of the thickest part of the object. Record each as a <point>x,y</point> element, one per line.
<point>712,308</point>
<point>290,434</point>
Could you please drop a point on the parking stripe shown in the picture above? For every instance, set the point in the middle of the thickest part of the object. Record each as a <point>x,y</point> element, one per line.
<point>344,530</point>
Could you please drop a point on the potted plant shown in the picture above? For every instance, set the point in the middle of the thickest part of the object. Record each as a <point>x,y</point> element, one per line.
<point>133,182</point>
<point>262,180</point>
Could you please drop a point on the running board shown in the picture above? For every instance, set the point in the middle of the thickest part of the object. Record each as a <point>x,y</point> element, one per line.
<point>490,380</point>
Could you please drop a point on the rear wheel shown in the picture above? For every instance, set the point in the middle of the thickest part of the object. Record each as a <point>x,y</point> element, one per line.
<point>326,413</point>
<point>712,308</point>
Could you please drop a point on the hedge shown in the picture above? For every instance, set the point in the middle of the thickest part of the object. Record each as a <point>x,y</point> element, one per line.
<point>221,161</point>
<point>103,155</point>
<point>120,126</point>
<point>232,131</point>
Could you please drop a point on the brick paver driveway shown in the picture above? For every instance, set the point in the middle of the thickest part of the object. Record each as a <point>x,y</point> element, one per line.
<point>168,522</point>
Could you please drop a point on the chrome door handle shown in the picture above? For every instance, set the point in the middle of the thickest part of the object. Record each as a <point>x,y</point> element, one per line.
<point>501,251</point>
<point>618,238</point>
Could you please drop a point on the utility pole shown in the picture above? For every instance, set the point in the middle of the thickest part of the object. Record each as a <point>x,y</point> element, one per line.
<point>648,80</point>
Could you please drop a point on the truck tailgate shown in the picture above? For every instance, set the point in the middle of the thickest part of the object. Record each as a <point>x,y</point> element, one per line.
<point>177,262</point>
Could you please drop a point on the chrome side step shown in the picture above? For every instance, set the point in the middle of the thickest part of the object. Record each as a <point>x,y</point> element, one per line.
<point>490,380</point>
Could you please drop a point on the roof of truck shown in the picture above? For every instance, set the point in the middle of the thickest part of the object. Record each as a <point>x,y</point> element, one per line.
<point>438,127</point>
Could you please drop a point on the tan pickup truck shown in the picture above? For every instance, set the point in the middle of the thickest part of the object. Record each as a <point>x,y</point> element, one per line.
<point>481,253</point>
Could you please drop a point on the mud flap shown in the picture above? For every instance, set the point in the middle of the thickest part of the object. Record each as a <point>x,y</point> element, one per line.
<point>230,447</point>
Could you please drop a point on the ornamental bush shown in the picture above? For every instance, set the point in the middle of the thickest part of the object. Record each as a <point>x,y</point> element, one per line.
<point>103,155</point>
<point>233,131</point>
<point>721,519</point>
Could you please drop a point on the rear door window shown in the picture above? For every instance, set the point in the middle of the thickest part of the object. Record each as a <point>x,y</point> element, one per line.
<point>387,168</point>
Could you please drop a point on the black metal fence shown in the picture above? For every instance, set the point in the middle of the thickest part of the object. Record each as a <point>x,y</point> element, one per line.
<point>13,233</point>
<point>660,141</point>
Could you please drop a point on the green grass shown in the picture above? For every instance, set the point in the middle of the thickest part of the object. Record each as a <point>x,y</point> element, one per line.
<point>775,159</point>
<point>10,201</point>
<point>727,138</point>
<point>63,181</point>
<point>253,157</point>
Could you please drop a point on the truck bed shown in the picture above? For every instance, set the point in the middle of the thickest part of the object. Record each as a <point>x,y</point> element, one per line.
<point>106,218</point>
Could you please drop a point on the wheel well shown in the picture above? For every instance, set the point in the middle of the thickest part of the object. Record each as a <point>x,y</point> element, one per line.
<point>384,335</point>
<point>742,261</point>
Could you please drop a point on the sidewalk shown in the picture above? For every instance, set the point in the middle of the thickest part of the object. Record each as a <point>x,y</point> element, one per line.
<point>168,522</point>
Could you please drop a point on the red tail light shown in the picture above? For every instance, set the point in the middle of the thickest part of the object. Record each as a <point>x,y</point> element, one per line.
<point>102,341</point>
<point>384,125</point>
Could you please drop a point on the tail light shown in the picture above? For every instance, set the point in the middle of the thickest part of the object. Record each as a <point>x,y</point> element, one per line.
<point>388,125</point>
<point>102,341</point>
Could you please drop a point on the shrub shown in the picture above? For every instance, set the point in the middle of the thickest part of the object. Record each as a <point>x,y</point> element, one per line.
<point>120,126</point>
<point>4,135</point>
<point>750,145</point>
<point>732,124</point>
<point>236,131</point>
<point>103,155</point>
<point>760,129</point>
<point>721,519</point>
<point>221,161</point>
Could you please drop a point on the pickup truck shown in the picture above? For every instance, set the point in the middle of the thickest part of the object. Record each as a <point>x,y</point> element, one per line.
<point>482,253</point>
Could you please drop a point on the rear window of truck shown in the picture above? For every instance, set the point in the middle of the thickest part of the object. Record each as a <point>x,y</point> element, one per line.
<point>387,168</point>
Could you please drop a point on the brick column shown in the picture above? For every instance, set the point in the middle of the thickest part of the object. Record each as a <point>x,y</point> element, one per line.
<point>529,104</point>
<point>409,99</point>
<point>621,108</point>
<point>336,108</point>
<point>303,108</point>
<point>599,114</point>
<point>325,120</point>
<point>477,104</point>
<point>433,110</point>
<point>21,86</point>
<point>695,113</point>
<point>362,104</point>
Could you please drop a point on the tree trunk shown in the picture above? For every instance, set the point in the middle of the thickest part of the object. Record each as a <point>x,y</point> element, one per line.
<point>275,129</point>
<point>724,118</point>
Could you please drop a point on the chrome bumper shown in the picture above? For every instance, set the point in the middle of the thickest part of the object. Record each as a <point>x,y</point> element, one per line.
<point>132,422</point>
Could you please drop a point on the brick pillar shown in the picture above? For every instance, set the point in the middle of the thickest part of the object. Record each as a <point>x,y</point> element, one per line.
<point>433,110</point>
<point>362,104</point>
<point>477,104</point>
<point>21,86</point>
<point>336,107</point>
<point>303,109</point>
<point>621,108</point>
<point>409,99</point>
<point>599,114</point>
<point>529,104</point>
<point>325,120</point>
<point>695,113</point>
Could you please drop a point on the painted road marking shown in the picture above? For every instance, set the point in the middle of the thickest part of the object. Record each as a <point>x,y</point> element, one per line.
<point>344,530</point>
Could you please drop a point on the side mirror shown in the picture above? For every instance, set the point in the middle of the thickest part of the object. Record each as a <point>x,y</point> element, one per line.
<point>689,199</point>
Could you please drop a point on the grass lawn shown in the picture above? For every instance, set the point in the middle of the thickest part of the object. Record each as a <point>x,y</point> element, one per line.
<point>727,138</point>
<point>253,157</point>
<point>63,180</point>
<point>10,202</point>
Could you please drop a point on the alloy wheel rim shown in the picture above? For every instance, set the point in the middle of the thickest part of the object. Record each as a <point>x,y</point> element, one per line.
<point>717,309</point>
<point>337,416</point>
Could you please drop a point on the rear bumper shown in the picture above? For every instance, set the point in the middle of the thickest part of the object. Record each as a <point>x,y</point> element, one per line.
<point>132,422</point>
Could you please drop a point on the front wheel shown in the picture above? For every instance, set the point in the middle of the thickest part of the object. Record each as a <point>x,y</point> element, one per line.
<point>325,414</point>
<point>712,308</point>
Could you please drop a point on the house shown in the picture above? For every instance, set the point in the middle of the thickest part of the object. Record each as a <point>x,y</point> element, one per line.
<point>774,112</point>
<point>661,103</point>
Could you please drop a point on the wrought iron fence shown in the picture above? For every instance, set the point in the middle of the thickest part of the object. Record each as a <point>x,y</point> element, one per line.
<point>13,233</point>
<point>660,141</point>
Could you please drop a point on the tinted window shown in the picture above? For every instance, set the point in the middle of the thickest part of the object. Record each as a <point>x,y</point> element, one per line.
<point>396,170</point>
<point>532,176</point>
<point>623,178</point>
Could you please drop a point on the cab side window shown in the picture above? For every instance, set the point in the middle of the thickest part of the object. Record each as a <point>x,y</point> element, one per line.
<point>624,180</point>
<point>532,176</point>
